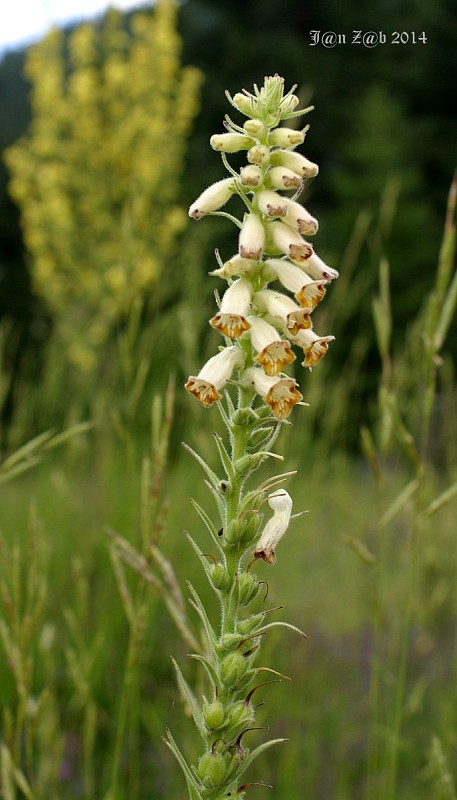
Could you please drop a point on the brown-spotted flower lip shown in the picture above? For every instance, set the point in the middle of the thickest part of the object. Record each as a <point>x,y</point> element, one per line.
<point>307,291</point>
<point>235,306</point>
<point>214,375</point>
<point>273,353</point>
<point>281,394</point>
<point>314,346</point>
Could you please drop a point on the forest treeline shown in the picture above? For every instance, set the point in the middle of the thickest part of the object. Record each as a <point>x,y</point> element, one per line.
<point>382,132</point>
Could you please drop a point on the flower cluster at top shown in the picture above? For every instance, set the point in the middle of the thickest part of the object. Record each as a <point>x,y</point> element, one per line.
<point>262,322</point>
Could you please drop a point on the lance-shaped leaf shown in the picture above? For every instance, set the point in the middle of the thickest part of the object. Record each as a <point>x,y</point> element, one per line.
<point>214,480</point>
<point>250,757</point>
<point>280,624</point>
<point>224,456</point>
<point>212,674</point>
<point>192,783</point>
<point>190,697</point>
<point>200,609</point>
<point>208,523</point>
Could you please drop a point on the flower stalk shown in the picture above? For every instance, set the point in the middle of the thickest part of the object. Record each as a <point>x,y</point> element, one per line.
<point>260,326</point>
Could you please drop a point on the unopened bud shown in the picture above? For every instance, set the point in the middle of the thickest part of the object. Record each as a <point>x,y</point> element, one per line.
<point>214,715</point>
<point>244,103</point>
<point>254,127</point>
<point>248,625</point>
<point>288,103</point>
<point>286,137</point>
<point>231,142</point>
<point>248,589</point>
<point>219,577</point>
<point>271,204</point>
<point>233,669</point>
<point>251,175</point>
<point>239,716</point>
<point>296,162</point>
<point>212,769</point>
<point>259,154</point>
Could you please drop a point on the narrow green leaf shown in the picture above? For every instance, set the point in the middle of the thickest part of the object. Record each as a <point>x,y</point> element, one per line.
<point>190,697</point>
<point>208,523</point>
<point>440,501</point>
<point>200,609</point>
<point>213,478</point>
<point>190,778</point>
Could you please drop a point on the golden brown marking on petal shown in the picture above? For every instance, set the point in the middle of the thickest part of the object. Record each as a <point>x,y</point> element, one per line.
<point>299,321</point>
<point>254,255</point>
<point>314,353</point>
<point>230,325</point>
<point>275,356</point>
<point>310,295</point>
<point>307,226</point>
<point>204,391</point>
<point>282,397</point>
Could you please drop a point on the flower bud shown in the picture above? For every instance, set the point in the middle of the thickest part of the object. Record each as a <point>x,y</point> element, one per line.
<point>286,137</point>
<point>251,175</point>
<point>254,127</point>
<point>239,716</point>
<point>244,103</point>
<point>289,242</point>
<point>231,142</point>
<point>259,154</point>
<point>248,588</point>
<point>213,198</point>
<point>214,715</point>
<point>288,103</point>
<point>281,504</point>
<point>230,641</point>
<point>219,577</point>
<point>233,669</point>
<point>248,625</point>
<point>212,769</point>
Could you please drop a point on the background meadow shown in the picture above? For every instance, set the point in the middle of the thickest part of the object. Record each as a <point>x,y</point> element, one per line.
<point>104,305</point>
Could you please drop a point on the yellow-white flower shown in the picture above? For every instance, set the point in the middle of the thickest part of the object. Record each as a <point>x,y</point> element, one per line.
<point>296,162</point>
<point>214,375</point>
<point>259,154</point>
<point>251,175</point>
<point>273,353</point>
<point>307,292</point>
<point>288,241</point>
<point>271,204</point>
<point>281,394</point>
<point>283,310</point>
<point>299,218</point>
<point>235,266</point>
<point>252,237</point>
<point>213,198</point>
<point>231,142</point>
<point>314,346</point>
<point>281,504</point>
<point>235,306</point>
<point>284,178</point>
<point>319,270</point>
<point>286,137</point>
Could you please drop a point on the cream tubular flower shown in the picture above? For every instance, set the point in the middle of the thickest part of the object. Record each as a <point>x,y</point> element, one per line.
<point>259,154</point>
<point>274,353</point>
<point>307,292</point>
<point>286,137</point>
<point>280,394</point>
<point>252,237</point>
<point>289,242</point>
<point>294,161</point>
<point>281,504</point>
<point>234,266</point>
<point>271,204</point>
<point>299,218</point>
<point>214,375</point>
<point>282,309</point>
<point>251,176</point>
<point>231,142</point>
<point>319,269</point>
<point>213,198</point>
<point>284,178</point>
<point>314,346</point>
<point>236,303</point>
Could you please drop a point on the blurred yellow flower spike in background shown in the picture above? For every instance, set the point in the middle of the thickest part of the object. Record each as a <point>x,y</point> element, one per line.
<point>96,177</point>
